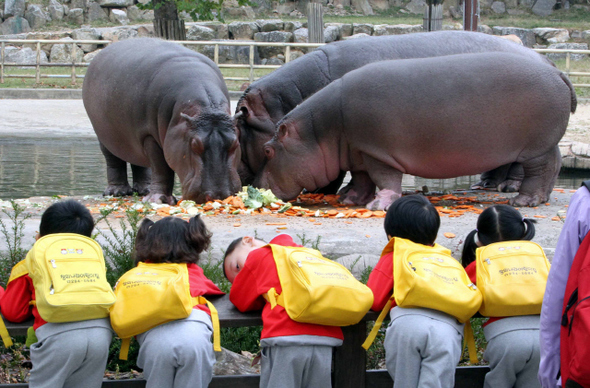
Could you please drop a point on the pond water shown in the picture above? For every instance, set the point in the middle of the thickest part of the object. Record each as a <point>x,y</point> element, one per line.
<point>75,166</point>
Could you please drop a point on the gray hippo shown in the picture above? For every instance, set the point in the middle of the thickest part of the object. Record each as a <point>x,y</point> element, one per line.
<point>432,117</point>
<point>160,105</point>
<point>270,98</point>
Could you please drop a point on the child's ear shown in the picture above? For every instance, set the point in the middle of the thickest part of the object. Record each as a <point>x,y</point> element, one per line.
<point>37,236</point>
<point>247,240</point>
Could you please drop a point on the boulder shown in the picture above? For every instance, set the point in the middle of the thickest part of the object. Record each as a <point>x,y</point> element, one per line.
<point>86,33</point>
<point>119,16</point>
<point>90,56</point>
<point>380,5</point>
<point>275,37</point>
<point>119,33</point>
<point>485,29</point>
<point>362,6</point>
<point>76,16</point>
<point>230,363</point>
<point>220,30</point>
<point>301,35</point>
<point>356,36</point>
<point>56,10</point>
<point>14,25</point>
<point>23,56</point>
<point>551,35</point>
<point>362,28</point>
<point>78,4</point>
<point>292,26</point>
<point>416,6</point>
<point>63,53</point>
<point>526,36</point>
<point>285,8</point>
<point>567,46</point>
<point>543,7</point>
<point>586,35</point>
<point>96,12</point>
<point>398,29</point>
<point>197,32</point>
<point>115,3</point>
<point>331,34</point>
<point>35,16</point>
<point>229,54</point>
<point>134,13</point>
<point>528,4</point>
<point>296,54</point>
<point>498,7</point>
<point>242,30</point>
<point>245,12</point>
<point>274,61</point>
<point>270,25</point>
<point>14,8</point>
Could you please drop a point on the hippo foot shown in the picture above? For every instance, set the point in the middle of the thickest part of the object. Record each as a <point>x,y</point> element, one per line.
<point>383,199</point>
<point>118,190</point>
<point>527,200</point>
<point>485,184</point>
<point>160,198</point>
<point>353,197</point>
<point>141,188</point>
<point>509,186</point>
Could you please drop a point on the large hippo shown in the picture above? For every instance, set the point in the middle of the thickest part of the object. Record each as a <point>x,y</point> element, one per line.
<point>432,117</point>
<point>270,98</point>
<point>161,106</point>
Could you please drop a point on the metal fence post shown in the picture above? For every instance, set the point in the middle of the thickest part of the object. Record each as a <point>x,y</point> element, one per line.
<point>2,63</point>
<point>216,54</point>
<point>287,54</point>
<point>38,67</point>
<point>73,53</point>
<point>251,63</point>
<point>567,63</point>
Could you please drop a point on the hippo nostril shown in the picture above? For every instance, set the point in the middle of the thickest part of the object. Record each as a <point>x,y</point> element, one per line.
<point>209,196</point>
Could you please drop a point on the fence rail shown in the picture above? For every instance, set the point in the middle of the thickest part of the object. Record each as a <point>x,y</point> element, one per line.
<point>73,65</point>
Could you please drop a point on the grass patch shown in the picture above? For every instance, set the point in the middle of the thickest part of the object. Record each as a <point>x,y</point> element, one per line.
<point>13,231</point>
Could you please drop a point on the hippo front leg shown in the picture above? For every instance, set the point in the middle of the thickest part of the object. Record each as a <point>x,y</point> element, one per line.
<point>162,181</point>
<point>540,174</point>
<point>142,177</point>
<point>387,178</point>
<point>359,191</point>
<point>513,180</point>
<point>118,185</point>
<point>491,179</point>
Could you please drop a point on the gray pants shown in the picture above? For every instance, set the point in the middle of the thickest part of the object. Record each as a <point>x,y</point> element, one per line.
<point>422,352</point>
<point>177,354</point>
<point>298,366</point>
<point>72,359</point>
<point>514,360</point>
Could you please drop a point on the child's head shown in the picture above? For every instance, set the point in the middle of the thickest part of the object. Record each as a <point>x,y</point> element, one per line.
<point>414,218</point>
<point>497,223</point>
<point>66,217</point>
<point>236,254</point>
<point>171,240</point>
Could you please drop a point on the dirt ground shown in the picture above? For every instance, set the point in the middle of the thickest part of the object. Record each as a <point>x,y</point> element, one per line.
<point>579,125</point>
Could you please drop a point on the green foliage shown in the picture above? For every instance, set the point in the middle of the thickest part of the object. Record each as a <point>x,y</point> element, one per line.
<point>14,364</point>
<point>199,9</point>
<point>237,339</point>
<point>480,342</point>
<point>119,245</point>
<point>305,241</point>
<point>13,235</point>
<point>117,365</point>
<point>365,274</point>
<point>376,353</point>
<point>214,271</point>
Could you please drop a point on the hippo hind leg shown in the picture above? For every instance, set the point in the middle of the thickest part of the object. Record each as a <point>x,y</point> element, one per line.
<point>491,179</point>
<point>540,174</point>
<point>118,185</point>
<point>513,180</point>
<point>359,191</point>
<point>142,177</point>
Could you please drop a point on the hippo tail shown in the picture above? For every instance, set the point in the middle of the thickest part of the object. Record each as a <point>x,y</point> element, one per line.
<point>574,99</point>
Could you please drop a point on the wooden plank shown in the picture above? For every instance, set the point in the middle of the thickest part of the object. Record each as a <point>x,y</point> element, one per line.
<point>465,377</point>
<point>350,358</point>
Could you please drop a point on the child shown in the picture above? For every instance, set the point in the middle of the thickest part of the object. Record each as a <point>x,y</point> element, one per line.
<point>71,354</point>
<point>293,354</point>
<point>422,346</point>
<point>513,342</point>
<point>178,353</point>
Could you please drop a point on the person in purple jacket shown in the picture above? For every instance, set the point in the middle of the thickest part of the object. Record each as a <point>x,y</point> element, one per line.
<point>575,228</point>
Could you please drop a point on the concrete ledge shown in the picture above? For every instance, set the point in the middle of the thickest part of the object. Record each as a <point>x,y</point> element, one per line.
<point>58,94</point>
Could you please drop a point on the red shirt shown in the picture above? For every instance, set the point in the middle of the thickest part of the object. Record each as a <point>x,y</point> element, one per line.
<point>1,292</point>
<point>255,279</point>
<point>471,270</point>
<point>381,282</point>
<point>15,305</point>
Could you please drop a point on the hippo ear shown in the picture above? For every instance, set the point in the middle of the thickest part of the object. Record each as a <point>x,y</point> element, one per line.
<point>191,120</point>
<point>282,132</point>
<point>244,111</point>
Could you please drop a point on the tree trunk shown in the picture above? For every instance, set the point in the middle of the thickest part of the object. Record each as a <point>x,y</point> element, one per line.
<point>167,24</point>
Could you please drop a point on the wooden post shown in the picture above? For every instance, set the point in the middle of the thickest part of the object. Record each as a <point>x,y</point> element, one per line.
<point>315,22</point>
<point>73,63</point>
<point>433,15</point>
<point>38,62</point>
<point>470,15</point>
<point>2,63</point>
<point>350,358</point>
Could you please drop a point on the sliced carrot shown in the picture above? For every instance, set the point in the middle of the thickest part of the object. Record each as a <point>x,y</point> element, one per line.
<point>276,223</point>
<point>449,235</point>
<point>237,224</point>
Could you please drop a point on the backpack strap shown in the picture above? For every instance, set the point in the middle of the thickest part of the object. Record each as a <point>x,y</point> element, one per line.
<point>274,298</point>
<point>20,269</point>
<point>4,334</point>
<point>469,343</point>
<point>373,334</point>
<point>124,352</point>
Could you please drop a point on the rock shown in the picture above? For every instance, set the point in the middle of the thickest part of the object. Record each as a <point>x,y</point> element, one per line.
<point>301,35</point>
<point>62,53</point>
<point>134,13</point>
<point>526,3</point>
<point>527,36</point>
<point>362,6</point>
<point>146,31</point>
<point>346,30</point>
<point>356,36</point>
<point>567,46</point>
<point>56,10</point>
<point>242,30</point>
<point>115,3</point>
<point>576,34</point>
<point>275,61</point>
<point>46,47</point>
<point>14,8</point>
<point>229,54</point>
<point>331,34</point>
<point>78,4</point>
<point>90,56</point>
<point>76,16</point>
<point>485,29</point>
<point>398,29</point>
<point>23,56</point>
<point>35,16</point>
<point>270,25</point>
<point>230,363</point>
<point>296,54</point>
<point>543,7</point>
<point>14,25</point>
<point>551,35</point>
<point>586,35</point>
<point>118,33</point>
<point>198,32</point>
<point>245,12</point>
<point>119,16</point>
<point>380,5</point>
<point>86,33</point>
<point>273,36</point>
<point>220,30</point>
<point>512,11</point>
<point>416,6</point>
<point>292,26</point>
<point>285,8</point>
<point>455,12</point>
<point>498,7</point>
<point>357,264</point>
<point>574,154</point>
<point>362,28</point>
<point>96,12</point>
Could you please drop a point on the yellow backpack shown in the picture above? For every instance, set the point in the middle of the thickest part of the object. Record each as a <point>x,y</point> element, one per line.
<point>317,290</point>
<point>69,276</point>
<point>20,269</point>
<point>511,276</point>
<point>153,294</point>
<point>429,277</point>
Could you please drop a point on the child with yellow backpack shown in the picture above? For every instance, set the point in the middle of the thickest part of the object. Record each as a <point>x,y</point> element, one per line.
<point>511,272</point>
<point>432,298</point>
<point>62,284</point>
<point>160,301</point>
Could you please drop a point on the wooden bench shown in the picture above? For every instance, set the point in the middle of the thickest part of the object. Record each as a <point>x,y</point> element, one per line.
<point>349,359</point>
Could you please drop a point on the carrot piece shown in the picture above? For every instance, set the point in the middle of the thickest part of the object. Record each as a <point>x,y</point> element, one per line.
<point>449,235</point>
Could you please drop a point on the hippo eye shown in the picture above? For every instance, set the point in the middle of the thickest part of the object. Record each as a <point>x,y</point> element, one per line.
<point>234,145</point>
<point>269,152</point>
<point>197,146</point>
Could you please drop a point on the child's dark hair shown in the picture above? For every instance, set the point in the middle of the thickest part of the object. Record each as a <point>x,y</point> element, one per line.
<point>66,217</point>
<point>230,248</point>
<point>171,240</point>
<point>497,223</point>
<point>413,217</point>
